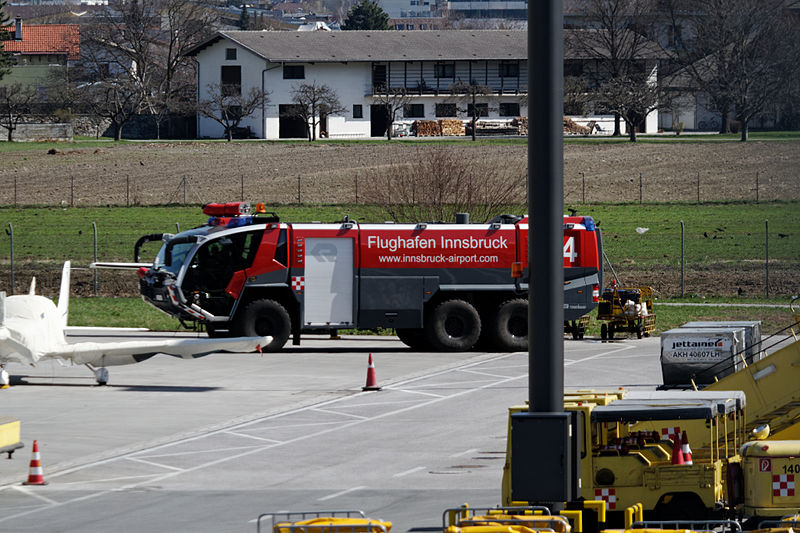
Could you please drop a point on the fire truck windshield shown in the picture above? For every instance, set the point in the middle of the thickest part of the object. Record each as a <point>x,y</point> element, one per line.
<point>173,253</point>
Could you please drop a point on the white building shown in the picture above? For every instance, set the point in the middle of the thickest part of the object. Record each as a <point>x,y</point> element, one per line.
<point>359,66</point>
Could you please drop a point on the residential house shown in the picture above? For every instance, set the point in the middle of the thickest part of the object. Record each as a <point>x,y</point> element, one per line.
<point>360,66</point>
<point>38,48</point>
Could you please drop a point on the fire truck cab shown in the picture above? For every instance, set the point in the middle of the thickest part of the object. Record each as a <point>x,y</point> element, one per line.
<point>440,286</point>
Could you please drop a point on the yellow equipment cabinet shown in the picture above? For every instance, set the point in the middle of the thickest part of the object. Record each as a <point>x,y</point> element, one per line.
<point>627,309</point>
<point>9,435</point>
<point>772,477</point>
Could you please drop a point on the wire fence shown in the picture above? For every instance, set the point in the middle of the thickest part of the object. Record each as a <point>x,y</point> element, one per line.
<point>352,186</point>
<point>675,259</point>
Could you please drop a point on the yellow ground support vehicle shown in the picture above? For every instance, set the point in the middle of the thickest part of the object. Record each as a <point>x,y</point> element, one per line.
<point>628,309</point>
<point>627,456</point>
<point>340,521</point>
<point>9,435</point>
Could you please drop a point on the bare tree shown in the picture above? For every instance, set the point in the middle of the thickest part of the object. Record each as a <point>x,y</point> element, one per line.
<point>467,95</point>
<point>229,108</point>
<point>576,95</point>
<point>742,54</point>
<point>313,103</point>
<point>617,43</point>
<point>145,43</point>
<point>437,183</point>
<point>393,100</point>
<point>16,101</point>
<point>115,100</point>
<point>632,98</point>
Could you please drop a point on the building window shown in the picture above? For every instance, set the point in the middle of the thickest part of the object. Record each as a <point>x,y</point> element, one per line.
<point>446,110</point>
<point>230,54</point>
<point>399,26</point>
<point>423,26</point>
<point>294,72</point>
<point>509,69</point>
<point>414,111</point>
<point>358,111</point>
<point>410,26</point>
<point>479,110</point>
<point>509,109</point>
<point>231,80</point>
<point>445,70</point>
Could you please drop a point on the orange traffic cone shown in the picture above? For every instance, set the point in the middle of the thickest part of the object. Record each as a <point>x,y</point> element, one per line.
<point>686,451</point>
<point>36,475</point>
<point>677,450</point>
<point>372,382</point>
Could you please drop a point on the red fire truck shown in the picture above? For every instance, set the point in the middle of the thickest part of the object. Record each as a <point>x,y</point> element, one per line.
<point>440,286</point>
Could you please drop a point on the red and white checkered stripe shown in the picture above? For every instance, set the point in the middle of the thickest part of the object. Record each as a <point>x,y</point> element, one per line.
<point>607,495</point>
<point>670,433</point>
<point>298,283</point>
<point>783,485</point>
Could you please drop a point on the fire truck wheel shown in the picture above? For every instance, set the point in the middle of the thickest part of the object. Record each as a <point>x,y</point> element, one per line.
<point>510,327</point>
<point>266,317</point>
<point>413,338</point>
<point>454,325</point>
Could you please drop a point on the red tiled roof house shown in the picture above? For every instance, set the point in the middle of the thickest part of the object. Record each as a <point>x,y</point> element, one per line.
<point>38,48</point>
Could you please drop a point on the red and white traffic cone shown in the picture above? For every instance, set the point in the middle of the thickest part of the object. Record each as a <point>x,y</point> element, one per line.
<point>372,381</point>
<point>677,450</point>
<point>687,451</point>
<point>36,474</point>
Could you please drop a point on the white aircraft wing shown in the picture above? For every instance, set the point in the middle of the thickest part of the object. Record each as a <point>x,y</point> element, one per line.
<point>127,352</point>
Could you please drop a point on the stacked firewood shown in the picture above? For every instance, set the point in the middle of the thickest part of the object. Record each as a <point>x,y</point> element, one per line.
<point>427,128</point>
<point>570,126</point>
<point>450,126</point>
<point>522,124</point>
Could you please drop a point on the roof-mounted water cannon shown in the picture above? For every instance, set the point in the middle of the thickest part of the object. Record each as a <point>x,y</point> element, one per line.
<point>230,209</point>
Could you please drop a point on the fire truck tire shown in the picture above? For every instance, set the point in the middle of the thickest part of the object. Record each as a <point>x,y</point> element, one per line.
<point>454,325</point>
<point>414,339</point>
<point>510,326</point>
<point>266,317</point>
<point>604,331</point>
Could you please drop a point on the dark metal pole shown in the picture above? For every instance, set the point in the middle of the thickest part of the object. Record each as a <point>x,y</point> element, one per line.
<point>766,256</point>
<point>546,206</point>
<point>683,259</point>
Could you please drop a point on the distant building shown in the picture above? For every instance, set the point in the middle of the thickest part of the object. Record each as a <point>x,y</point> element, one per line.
<point>360,66</point>
<point>38,48</point>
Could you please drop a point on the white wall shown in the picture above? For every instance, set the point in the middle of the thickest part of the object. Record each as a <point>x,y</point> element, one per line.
<point>351,82</point>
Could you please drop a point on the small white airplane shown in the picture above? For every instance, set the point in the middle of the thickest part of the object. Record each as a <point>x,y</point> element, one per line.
<point>33,329</point>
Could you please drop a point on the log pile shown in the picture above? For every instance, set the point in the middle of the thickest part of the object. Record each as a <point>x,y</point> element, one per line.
<point>522,124</point>
<point>449,126</point>
<point>426,128</point>
<point>570,126</point>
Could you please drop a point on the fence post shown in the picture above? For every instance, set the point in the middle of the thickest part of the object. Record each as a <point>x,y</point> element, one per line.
<point>242,182</point>
<point>756,186</point>
<point>583,187</point>
<point>94,230</point>
<point>10,233</point>
<point>640,188</point>
<point>683,258</point>
<point>72,191</point>
<point>698,187</point>
<point>15,191</point>
<point>184,189</point>
<point>356,180</point>
<point>298,189</point>
<point>766,255</point>
<point>127,191</point>
<point>178,226</point>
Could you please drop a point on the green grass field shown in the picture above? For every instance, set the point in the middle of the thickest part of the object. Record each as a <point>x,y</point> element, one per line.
<point>713,233</point>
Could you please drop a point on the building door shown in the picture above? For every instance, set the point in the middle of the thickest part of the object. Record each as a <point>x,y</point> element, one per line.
<point>378,120</point>
<point>290,126</point>
<point>328,282</point>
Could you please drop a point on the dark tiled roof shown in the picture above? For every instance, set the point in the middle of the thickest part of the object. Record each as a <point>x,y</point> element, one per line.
<point>380,45</point>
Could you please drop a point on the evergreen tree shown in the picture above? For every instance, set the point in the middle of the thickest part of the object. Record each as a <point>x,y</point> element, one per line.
<point>244,18</point>
<point>6,59</point>
<point>366,15</point>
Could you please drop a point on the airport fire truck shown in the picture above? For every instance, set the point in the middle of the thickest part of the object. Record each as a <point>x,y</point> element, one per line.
<point>441,286</point>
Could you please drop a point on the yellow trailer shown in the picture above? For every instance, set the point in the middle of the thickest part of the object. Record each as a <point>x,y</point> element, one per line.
<point>9,435</point>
